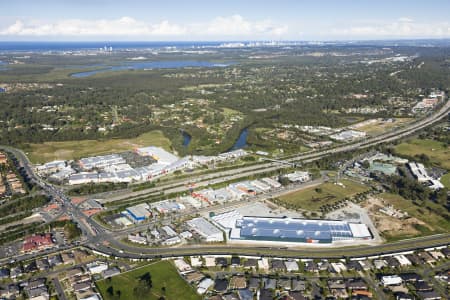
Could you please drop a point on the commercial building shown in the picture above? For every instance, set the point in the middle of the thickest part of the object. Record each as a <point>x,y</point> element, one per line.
<point>271,182</point>
<point>290,230</point>
<point>139,212</point>
<point>38,242</point>
<point>167,206</point>
<point>348,135</point>
<point>99,162</point>
<point>83,178</point>
<point>385,168</point>
<point>51,167</point>
<point>138,239</point>
<point>298,176</point>
<point>232,154</point>
<point>418,171</point>
<point>158,154</point>
<point>207,230</point>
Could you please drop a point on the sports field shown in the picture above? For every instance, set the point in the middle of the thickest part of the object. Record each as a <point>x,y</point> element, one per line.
<point>166,282</point>
<point>48,151</point>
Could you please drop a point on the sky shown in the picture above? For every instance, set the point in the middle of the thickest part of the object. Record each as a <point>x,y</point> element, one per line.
<point>225,20</point>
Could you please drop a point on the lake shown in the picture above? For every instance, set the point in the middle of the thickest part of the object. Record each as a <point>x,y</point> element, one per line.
<point>241,142</point>
<point>186,139</point>
<point>171,64</point>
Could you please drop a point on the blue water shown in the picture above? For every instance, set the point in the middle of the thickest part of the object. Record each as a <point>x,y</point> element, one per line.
<point>241,142</point>
<point>186,139</point>
<point>74,46</point>
<point>171,64</point>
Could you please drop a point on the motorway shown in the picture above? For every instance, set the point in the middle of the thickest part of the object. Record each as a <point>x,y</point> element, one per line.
<point>221,176</point>
<point>101,239</point>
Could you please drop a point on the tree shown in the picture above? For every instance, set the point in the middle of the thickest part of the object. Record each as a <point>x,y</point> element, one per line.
<point>143,287</point>
<point>110,290</point>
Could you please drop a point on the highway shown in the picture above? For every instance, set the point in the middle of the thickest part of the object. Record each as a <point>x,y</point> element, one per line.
<point>101,239</point>
<point>122,250</point>
<point>221,176</point>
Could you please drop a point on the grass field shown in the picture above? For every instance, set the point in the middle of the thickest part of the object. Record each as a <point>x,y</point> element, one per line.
<point>163,274</point>
<point>445,180</point>
<point>427,213</point>
<point>48,151</point>
<point>438,153</point>
<point>327,193</point>
<point>381,126</point>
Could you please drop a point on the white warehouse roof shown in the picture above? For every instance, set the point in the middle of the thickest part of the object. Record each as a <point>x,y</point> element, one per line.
<point>210,232</point>
<point>159,154</point>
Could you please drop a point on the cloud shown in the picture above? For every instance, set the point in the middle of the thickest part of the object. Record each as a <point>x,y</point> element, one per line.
<point>236,25</point>
<point>78,27</point>
<point>402,28</point>
<point>232,26</point>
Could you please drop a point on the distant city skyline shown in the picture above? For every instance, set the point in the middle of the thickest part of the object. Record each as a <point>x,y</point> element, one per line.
<point>139,20</point>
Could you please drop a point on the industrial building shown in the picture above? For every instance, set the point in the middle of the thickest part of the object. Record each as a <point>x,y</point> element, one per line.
<point>419,172</point>
<point>158,154</point>
<point>348,135</point>
<point>102,161</point>
<point>289,229</point>
<point>207,230</point>
<point>139,212</point>
<point>82,178</point>
<point>298,176</point>
<point>167,206</point>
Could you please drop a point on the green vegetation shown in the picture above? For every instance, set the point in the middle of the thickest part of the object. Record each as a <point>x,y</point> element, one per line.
<point>93,188</point>
<point>70,228</point>
<point>445,180</point>
<point>151,282</point>
<point>22,204</point>
<point>325,194</point>
<point>44,152</point>
<point>270,96</point>
<point>437,153</point>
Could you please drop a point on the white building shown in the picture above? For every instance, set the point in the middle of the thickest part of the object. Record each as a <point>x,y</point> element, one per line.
<point>348,135</point>
<point>207,230</point>
<point>171,241</point>
<point>298,176</point>
<point>83,178</point>
<point>403,260</point>
<point>97,267</point>
<point>51,167</point>
<point>158,154</point>
<point>419,172</point>
<point>260,185</point>
<point>271,182</point>
<point>182,266</point>
<point>391,280</point>
<point>204,285</point>
<point>263,264</point>
<point>291,265</point>
<point>102,161</point>
<point>138,239</point>
<point>232,154</point>
<point>128,176</point>
<point>169,231</point>
<point>196,261</point>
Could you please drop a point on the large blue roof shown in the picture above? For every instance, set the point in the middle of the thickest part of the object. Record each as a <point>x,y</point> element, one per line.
<point>292,229</point>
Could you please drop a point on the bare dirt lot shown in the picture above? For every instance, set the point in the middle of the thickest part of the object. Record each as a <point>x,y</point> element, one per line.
<point>390,226</point>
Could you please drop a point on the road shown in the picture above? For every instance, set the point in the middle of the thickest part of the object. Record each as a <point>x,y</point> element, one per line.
<point>221,176</point>
<point>96,237</point>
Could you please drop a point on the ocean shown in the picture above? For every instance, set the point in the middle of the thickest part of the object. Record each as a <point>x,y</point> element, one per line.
<point>77,46</point>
